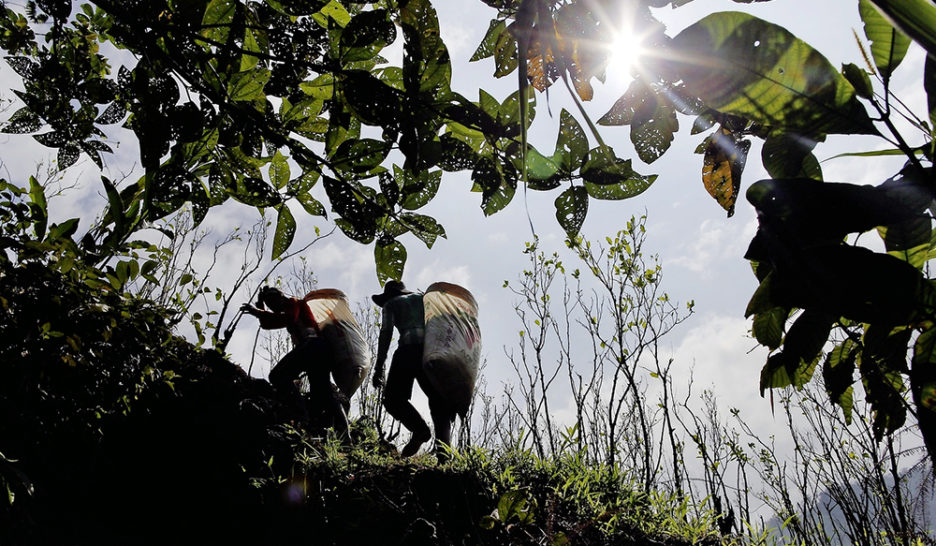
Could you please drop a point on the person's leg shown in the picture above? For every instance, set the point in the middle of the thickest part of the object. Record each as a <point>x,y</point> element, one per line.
<point>318,370</point>
<point>442,416</point>
<point>403,368</point>
<point>283,377</point>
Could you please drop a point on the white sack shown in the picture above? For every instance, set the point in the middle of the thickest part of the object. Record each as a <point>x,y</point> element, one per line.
<point>452,353</point>
<point>350,353</point>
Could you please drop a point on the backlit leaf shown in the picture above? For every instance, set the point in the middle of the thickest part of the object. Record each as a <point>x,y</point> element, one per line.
<point>419,190</point>
<point>360,156</point>
<point>22,121</point>
<point>915,18</point>
<point>888,45</point>
<point>608,177</point>
<point>725,156</point>
<point>390,259</point>
<point>571,143</point>
<point>487,46</point>
<point>248,85</point>
<point>279,171</point>
<point>744,66</point>
<point>768,326</point>
<point>795,363</point>
<point>838,374</point>
<point>929,84</point>
<point>285,231</point>
<point>426,228</point>
<point>219,15</point>
<point>924,377</point>
<point>255,192</point>
<point>311,205</point>
<point>571,208</point>
<point>39,207</point>
<point>790,156</point>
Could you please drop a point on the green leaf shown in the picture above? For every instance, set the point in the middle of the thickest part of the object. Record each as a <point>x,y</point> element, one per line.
<point>389,187</point>
<point>279,171</point>
<point>768,326</point>
<point>488,44</point>
<point>515,503</point>
<point>425,55</point>
<point>116,204</point>
<point>790,156</point>
<point>216,23</point>
<point>366,34</point>
<point>571,208</point>
<point>248,85</point>
<point>744,66</point>
<point>22,121</point>
<point>424,227</point>
<point>505,55</point>
<point>838,374</point>
<point>923,379</point>
<point>653,129</point>
<point>916,18</point>
<point>609,177</point>
<point>763,300</point>
<point>285,231</point>
<point>623,110</point>
<point>572,144</point>
<point>910,240</point>
<point>322,87</point>
<point>390,258</point>
<point>372,100</point>
<point>38,207</point>
<point>496,191</point>
<point>123,272</point>
<point>311,205</point>
<point>883,363</point>
<point>929,84</point>
<point>359,156</point>
<point>538,166</point>
<point>255,192</point>
<point>251,48</point>
<point>334,11</point>
<point>355,204</point>
<point>888,45</point>
<point>64,230</point>
<point>795,363</point>
<point>456,154</point>
<point>417,191</point>
<point>860,80</point>
<point>651,116</point>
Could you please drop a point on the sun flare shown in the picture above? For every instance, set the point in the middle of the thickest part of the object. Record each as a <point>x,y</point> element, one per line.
<point>626,50</point>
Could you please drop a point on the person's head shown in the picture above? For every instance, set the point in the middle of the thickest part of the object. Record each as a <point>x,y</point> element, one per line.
<point>274,298</point>
<point>392,289</point>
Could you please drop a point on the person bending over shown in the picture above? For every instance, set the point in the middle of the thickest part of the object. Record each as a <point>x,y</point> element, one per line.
<point>310,352</point>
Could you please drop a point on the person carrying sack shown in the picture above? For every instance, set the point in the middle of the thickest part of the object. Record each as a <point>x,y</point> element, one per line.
<point>403,309</point>
<point>310,352</point>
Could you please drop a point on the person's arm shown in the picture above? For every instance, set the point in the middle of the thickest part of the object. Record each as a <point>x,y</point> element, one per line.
<point>268,319</point>
<point>383,345</point>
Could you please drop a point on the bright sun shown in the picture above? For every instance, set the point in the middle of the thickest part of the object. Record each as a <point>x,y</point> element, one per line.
<point>625,52</point>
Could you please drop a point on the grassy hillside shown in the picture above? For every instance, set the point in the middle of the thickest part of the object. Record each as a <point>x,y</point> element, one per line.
<point>114,431</point>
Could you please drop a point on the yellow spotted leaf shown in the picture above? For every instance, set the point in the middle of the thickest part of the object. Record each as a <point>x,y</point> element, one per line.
<point>725,155</point>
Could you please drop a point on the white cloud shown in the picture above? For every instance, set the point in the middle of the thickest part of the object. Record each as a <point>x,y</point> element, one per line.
<point>457,274</point>
<point>722,357</point>
<point>715,242</point>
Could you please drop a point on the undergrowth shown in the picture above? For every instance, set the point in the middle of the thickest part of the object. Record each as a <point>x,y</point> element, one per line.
<point>115,431</point>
